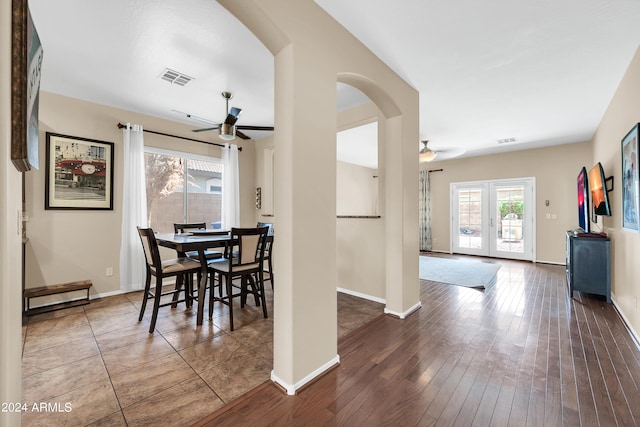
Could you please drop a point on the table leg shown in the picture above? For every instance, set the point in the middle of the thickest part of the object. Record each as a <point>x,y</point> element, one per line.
<point>202,286</point>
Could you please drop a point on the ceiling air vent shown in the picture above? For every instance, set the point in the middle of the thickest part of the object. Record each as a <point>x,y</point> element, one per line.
<point>175,77</point>
<point>506,140</point>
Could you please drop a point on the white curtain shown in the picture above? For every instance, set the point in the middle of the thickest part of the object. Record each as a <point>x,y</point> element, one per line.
<point>134,210</point>
<point>425,212</point>
<point>230,188</point>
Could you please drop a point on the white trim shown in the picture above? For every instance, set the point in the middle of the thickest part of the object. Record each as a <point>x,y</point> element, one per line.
<point>404,314</point>
<point>540,261</point>
<point>110,294</point>
<point>78,298</point>
<point>438,251</point>
<point>634,335</point>
<point>291,389</point>
<point>361,295</point>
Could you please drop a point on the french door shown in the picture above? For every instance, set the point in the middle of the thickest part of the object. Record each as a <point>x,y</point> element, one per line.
<point>494,218</point>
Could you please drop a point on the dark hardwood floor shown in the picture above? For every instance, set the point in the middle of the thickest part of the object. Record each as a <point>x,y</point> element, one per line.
<point>519,353</point>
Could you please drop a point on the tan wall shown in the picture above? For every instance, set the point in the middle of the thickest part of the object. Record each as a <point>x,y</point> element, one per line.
<point>81,244</point>
<point>621,115</point>
<point>359,258</point>
<point>555,170</point>
<point>356,190</point>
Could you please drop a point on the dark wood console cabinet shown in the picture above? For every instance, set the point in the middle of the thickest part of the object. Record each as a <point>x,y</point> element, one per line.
<point>588,265</point>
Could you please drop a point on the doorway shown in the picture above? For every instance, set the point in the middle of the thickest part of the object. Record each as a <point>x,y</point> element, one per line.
<point>494,218</point>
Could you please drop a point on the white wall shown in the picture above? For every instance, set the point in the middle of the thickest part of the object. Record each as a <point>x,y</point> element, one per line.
<point>11,242</point>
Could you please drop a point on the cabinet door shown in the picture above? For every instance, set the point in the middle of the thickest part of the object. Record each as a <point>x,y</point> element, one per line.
<point>590,269</point>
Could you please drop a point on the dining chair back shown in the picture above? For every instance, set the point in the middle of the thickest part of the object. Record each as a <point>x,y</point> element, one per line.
<point>180,268</point>
<point>268,252</point>
<point>247,265</point>
<point>181,228</point>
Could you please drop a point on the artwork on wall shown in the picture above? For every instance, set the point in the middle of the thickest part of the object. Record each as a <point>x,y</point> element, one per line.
<point>26,63</point>
<point>630,191</point>
<point>79,173</point>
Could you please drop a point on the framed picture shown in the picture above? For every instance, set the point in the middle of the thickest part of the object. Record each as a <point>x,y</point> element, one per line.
<point>630,191</point>
<point>26,63</point>
<point>79,173</point>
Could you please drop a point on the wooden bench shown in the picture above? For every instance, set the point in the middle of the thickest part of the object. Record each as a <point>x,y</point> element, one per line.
<point>42,291</point>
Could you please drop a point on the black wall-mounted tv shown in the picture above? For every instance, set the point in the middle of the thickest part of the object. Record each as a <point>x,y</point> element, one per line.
<point>599,192</point>
<point>583,200</point>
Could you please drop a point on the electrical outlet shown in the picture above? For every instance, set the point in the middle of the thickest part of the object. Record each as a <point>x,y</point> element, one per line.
<point>548,216</point>
<point>109,271</point>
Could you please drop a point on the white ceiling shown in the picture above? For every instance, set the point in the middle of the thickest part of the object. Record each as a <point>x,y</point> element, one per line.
<point>540,71</point>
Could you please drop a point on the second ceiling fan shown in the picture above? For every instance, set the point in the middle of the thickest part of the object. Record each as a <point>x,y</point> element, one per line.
<point>228,130</point>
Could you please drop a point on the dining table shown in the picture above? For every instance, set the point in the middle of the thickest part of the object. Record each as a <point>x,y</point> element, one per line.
<point>200,241</point>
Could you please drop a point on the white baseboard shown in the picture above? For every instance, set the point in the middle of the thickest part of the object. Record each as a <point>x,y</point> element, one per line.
<point>292,388</point>
<point>109,294</point>
<point>361,295</point>
<point>75,299</point>
<point>404,314</point>
<point>540,261</point>
<point>634,335</point>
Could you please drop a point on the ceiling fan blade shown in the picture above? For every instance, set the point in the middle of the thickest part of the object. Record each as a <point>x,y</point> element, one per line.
<point>232,117</point>
<point>241,135</point>
<point>254,127</point>
<point>207,129</point>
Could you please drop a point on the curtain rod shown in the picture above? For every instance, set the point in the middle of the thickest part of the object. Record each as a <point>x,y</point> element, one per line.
<point>435,170</point>
<point>120,126</point>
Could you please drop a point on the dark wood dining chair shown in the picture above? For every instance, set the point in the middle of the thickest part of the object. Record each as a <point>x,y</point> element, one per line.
<point>180,268</point>
<point>247,266</point>
<point>180,228</point>
<point>268,252</point>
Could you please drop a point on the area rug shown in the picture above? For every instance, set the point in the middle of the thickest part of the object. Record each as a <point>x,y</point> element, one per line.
<point>472,274</point>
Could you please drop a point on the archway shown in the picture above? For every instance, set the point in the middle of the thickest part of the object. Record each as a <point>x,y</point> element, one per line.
<point>307,64</point>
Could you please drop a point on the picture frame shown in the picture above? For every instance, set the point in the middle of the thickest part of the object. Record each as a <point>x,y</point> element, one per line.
<point>26,64</point>
<point>630,180</point>
<point>79,173</point>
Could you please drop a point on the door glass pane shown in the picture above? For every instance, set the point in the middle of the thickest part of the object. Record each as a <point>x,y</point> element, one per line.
<point>510,207</point>
<point>470,218</point>
<point>165,175</point>
<point>204,192</point>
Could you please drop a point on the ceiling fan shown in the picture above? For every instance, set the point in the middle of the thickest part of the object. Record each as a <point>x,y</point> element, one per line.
<point>428,155</point>
<point>228,129</point>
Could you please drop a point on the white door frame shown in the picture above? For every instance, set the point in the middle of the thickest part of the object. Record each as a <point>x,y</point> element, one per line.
<point>489,212</point>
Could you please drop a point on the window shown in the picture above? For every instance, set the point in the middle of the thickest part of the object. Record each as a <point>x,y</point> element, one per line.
<point>182,187</point>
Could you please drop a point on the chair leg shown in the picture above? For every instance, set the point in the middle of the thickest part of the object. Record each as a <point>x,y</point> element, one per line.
<point>254,289</point>
<point>229,286</point>
<point>179,280</point>
<point>212,288</point>
<point>147,286</point>
<point>156,304</point>
<point>270,272</point>
<point>261,287</point>
<point>188,289</point>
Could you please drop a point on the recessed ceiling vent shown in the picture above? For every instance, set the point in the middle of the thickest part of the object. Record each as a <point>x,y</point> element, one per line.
<point>506,140</point>
<point>175,77</point>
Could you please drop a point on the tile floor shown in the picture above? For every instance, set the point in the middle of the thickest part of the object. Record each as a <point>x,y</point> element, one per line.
<point>110,371</point>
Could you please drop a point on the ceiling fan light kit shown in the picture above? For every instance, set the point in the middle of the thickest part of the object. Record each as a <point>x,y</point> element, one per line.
<point>227,132</point>
<point>426,155</point>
